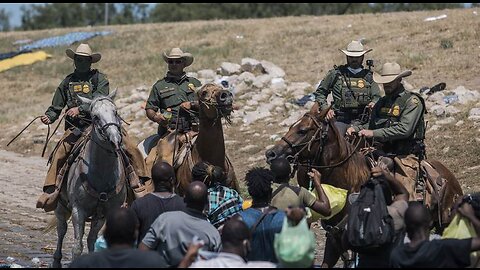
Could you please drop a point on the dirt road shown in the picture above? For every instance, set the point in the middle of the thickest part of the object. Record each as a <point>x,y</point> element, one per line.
<point>22,225</point>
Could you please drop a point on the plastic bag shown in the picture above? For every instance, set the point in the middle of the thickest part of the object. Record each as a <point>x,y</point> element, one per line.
<point>337,198</point>
<point>461,228</point>
<point>295,245</point>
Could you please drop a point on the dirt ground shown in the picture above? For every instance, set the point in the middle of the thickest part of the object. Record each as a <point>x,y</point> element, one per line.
<point>22,225</point>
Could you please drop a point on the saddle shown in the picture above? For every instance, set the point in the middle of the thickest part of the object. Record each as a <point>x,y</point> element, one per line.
<point>78,148</point>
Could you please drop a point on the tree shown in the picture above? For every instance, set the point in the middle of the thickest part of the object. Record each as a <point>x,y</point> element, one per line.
<point>4,20</point>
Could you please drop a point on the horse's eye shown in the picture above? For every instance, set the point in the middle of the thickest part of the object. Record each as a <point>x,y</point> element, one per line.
<point>302,131</point>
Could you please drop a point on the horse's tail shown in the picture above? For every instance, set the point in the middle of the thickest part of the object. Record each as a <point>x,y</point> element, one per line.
<point>52,224</point>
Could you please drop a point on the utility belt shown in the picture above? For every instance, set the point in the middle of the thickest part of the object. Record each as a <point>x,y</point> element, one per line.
<point>348,115</point>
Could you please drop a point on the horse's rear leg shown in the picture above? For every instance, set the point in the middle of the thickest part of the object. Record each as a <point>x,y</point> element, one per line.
<point>62,214</point>
<point>78,219</point>
<point>93,234</point>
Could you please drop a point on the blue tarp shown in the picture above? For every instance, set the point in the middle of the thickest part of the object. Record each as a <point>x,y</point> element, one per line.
<point>67,39</point>
<point>304,100</point>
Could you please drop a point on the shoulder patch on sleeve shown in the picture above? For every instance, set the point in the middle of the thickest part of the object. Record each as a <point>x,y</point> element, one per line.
<point>415,100</point>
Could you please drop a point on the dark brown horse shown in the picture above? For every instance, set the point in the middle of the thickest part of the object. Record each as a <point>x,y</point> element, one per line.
<point>314,142</point>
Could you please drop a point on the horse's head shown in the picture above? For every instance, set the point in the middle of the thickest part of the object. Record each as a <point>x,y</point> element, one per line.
<point>302,139</point>
<point>215,102</point>
<point>106,121</point>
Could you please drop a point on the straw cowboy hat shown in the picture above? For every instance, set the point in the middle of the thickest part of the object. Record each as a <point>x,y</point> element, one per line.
<point>389,73</point>
<point>355,49</point>
<point>84,50</point>
<point>176,53</point>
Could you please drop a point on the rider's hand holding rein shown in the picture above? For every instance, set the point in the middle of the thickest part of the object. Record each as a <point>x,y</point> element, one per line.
<point>45,120</point>
<point>73,112</point>
<point>330,114</point>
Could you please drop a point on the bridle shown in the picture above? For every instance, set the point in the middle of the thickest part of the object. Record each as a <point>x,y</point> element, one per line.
<point>101,130</point>
<point>321,135</point>
<point>218,107</point>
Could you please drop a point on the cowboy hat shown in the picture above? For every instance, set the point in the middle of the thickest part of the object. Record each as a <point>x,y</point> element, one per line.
<point>84,50</point>
<point>176,53</point>
<point>389,73</point>
<point>355,49</point>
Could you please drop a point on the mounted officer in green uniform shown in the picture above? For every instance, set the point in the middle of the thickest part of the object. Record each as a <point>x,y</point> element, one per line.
<point>88,83</point>
<point>397,122</point>
<point>171,104</point>
<point>352,88</point>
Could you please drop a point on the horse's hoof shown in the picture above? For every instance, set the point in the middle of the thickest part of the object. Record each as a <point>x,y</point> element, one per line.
<point>56,265</point>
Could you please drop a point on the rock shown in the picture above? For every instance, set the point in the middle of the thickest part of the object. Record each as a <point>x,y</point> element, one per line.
<point>459,123</point>
<point>207,74</point>
<point>436,98</point>
<point>407,86</point>
<point>451,110</point>
<point>192,74</point>
<point>434,128</point>
<point>272,69</point>
<point>262,81</point>
<point>292,118</point>
<point>474,114</point>
<point>446,149</point>
<point>228,68</point>
<point>465,95</point>
<point>241,87</point>
<point>247,148</point>
<point>275,137</point>
<point>259,113</point>
<point>252,102</point>
<point>252,65</point>
<point>258,158</point>
<point>246,77</point>
<point>445,121</point>
<point>277,101</point>
<point>278,84</point>
<point>438,110</point>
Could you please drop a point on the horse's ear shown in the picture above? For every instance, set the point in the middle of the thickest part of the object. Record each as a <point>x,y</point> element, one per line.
<point>113,94</point>
<point>85,100</point>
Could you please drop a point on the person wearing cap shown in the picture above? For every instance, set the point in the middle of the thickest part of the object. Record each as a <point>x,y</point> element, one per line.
<point>173,96</point>
<point>352,88</point>
<point>83,82</point>
<point>397,118</point>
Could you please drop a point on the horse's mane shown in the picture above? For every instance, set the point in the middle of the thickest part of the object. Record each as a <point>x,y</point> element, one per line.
<point>356,165</point>
<point>355,171</point>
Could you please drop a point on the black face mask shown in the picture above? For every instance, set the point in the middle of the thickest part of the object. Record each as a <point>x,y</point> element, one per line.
<point>82,65</point>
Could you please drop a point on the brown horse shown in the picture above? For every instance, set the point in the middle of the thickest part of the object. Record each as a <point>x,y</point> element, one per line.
<point>314,142</point>
<point>215,103</point>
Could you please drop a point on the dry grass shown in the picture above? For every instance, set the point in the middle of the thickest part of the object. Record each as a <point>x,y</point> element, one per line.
<point>305,47</point>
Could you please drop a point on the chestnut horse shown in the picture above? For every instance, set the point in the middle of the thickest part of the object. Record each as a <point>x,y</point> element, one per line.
<point>215,103</point>
<point>313,142</point>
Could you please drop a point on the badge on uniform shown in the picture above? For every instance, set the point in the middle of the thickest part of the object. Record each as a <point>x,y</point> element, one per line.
<point>86,88</point>
<point>361,84</point>
<point>77,88</point>
<point>191,86</point>
<point>396,110</point>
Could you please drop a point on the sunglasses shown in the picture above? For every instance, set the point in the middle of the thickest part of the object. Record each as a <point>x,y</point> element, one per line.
<point>175,61</point>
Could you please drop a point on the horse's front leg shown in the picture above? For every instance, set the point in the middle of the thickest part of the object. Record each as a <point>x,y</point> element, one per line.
<point>93,234</point>
<point>78,219</point>
<point>62,215</point>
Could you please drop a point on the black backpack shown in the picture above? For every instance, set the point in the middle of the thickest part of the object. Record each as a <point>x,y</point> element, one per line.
<point>370,227</point>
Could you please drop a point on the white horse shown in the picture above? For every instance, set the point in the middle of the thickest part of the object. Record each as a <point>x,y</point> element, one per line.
<point>95,181</point>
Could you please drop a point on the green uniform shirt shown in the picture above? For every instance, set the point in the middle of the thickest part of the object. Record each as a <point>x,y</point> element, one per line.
<point>67,92</point>
<point>397,122</point>
<point>364,89</point>
<point>170,93</point>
